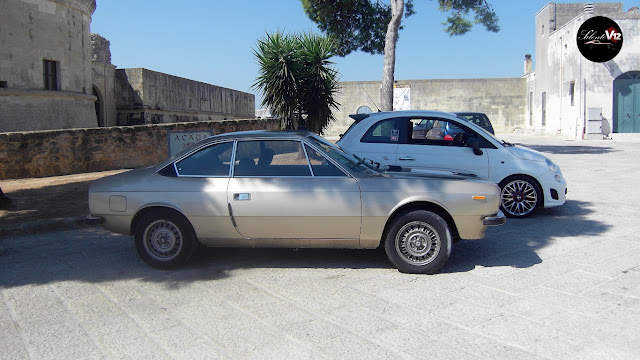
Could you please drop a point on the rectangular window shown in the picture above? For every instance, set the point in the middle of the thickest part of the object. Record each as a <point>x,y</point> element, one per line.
<point>531,108</point>
<point>51,77</point>
<point>544,108</point>
<point>572,90</point>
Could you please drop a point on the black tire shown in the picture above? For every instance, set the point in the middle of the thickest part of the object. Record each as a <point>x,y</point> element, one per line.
<point>418,242</point>
<point>520,196</point>
<point>165,239</point>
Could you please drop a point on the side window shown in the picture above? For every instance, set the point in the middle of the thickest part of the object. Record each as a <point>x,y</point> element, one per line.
<point>320,165</point>
<point>213,160</point>
<point>270,158</point>
<point>420,127</point>
<point>436,132</point>
<point>385,131</point>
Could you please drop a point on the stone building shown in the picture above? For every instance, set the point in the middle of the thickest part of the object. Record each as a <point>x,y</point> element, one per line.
<point>570,95</point>
<point>104,81</point>
<point>55,74</point>
<point>45,65</point>
<point>149,97</point>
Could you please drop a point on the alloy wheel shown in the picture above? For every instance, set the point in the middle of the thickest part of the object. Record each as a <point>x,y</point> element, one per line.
<point>519,197</point>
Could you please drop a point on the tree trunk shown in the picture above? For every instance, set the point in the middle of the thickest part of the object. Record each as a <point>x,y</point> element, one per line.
<point>389,67</point>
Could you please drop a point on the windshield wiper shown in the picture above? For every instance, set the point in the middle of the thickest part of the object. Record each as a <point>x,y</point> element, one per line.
<point>363,161</point>
<point>505,143</point>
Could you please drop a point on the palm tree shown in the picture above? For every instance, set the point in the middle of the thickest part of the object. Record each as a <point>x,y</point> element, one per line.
<point>319,82</point>
<point>297,79</point>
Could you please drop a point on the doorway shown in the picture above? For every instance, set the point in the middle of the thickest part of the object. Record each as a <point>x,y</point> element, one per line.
<point>99,107</point>
<point>626,103</point>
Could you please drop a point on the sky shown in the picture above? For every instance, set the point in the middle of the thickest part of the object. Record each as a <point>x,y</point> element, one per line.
<point>212,41</point>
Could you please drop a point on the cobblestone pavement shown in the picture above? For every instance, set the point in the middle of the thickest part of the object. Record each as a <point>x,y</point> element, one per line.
<point>564,284</point>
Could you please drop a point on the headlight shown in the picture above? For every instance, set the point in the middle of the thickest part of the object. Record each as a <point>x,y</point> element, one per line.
<point>553,167</point>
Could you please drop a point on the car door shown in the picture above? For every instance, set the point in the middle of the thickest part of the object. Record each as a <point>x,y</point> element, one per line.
<point>200,190</point>
<point>444,146</point>
<point>275,193</point>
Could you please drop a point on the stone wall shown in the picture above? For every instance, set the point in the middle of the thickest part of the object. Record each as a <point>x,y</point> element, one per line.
<point>61,152</point>
<point>151,97</point>
<point>502,99</point>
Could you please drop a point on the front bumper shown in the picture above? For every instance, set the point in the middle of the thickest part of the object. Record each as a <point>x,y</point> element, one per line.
<point>554,187</point>
<point>495,220</point>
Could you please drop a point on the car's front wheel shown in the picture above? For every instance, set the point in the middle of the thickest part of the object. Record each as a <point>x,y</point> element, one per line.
<point>418,242</point>
<point>165,239</point>
<point>520,196</point>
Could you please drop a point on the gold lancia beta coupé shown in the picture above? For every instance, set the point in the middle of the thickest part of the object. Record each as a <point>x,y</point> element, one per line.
<point>291,189</point>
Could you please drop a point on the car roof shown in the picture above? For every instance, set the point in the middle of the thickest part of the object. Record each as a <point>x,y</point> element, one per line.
<point>240,135</point>
<point>409,113</point>
<point>261,134</point>
<point>468,113</point>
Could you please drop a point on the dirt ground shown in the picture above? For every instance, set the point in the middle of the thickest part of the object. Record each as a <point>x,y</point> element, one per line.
<point>41,199</point>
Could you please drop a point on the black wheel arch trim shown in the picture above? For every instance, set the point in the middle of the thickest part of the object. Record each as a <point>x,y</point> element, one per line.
<point>533,178</point>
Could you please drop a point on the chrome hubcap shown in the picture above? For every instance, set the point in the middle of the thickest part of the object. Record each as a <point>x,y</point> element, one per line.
<point>162,240</point>
<point>519,197</point>
<point>418,243</point>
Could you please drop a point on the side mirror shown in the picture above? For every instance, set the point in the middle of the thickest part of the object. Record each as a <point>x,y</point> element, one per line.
<point>475,145</point>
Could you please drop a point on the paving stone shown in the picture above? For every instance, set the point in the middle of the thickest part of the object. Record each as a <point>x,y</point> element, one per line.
<point>563,284</point>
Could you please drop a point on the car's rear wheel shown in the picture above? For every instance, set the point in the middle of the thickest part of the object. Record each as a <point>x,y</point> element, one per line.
<point>520,196</point>
<point>418,242</point>
<point>165,239</point>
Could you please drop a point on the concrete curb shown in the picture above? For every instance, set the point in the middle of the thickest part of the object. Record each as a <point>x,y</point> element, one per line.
<point>33,227</point>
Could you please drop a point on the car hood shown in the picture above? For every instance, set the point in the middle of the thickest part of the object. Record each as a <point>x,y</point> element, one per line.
<point>524,153</point>
<point>430,173</point>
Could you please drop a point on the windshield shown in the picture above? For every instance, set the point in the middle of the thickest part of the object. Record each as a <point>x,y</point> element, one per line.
<point>482,130</point>
<point>353,164</point>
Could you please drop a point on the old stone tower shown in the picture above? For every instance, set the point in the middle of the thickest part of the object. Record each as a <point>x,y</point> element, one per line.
<point>45,65</point>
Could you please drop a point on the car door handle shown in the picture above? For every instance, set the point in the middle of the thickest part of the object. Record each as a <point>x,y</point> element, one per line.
<point>407,158</point>
<point>241,197</point>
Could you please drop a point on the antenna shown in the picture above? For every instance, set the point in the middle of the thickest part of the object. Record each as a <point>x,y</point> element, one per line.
<point>374,103</point>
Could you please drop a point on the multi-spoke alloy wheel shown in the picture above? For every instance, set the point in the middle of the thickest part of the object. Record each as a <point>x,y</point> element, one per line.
<point>418,242</point>
<point>519,196</point>
<point>165,238</point>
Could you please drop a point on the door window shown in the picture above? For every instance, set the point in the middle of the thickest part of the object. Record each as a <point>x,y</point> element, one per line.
<point>270,158</point>
<point>213,160</point>
<point>435,132</point>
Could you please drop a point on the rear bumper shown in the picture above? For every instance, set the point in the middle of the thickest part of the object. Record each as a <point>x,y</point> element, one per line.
<point>94,220</point>
<point>495,220</point>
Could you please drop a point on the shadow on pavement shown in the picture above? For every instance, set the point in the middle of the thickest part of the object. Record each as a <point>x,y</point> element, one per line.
<point>515,243</point>
<point>94,255</point>
<point>571,149</point>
